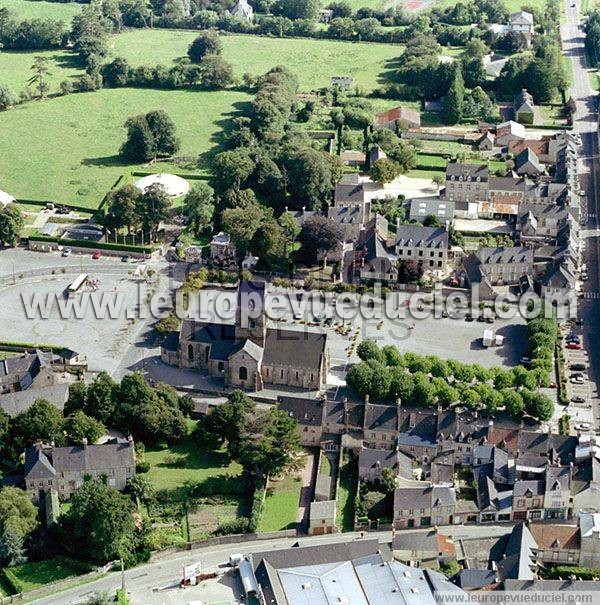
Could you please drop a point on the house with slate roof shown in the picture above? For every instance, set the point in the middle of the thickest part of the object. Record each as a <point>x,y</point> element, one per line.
<point>427,246</point>
<point>64,469</point>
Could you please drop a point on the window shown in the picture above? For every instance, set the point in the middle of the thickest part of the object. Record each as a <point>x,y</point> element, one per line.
<point>206,354</point>
<point>190,353</point>
<point>243,373</point>
<point>221,366</point>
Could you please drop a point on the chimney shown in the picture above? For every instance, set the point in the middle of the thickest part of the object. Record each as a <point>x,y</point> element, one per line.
<point>366,398</point>
<point>84,441</point>
<point>398,402</point>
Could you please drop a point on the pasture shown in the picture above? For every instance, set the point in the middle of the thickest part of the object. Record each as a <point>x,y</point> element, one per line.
<point>37,9</point>
<point>313,61</point>
<point>72,142</point>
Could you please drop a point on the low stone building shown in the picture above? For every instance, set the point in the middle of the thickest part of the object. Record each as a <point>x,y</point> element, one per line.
<point>322,518</point>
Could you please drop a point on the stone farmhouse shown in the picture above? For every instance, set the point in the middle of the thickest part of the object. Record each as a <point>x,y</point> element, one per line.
<point>249,354</point>
<point>64,469</point>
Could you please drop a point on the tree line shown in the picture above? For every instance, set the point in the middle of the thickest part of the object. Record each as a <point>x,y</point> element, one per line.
<point>387,375</point>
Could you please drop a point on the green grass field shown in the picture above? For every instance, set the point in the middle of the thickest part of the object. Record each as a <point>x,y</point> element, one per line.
<point>199,465</point>
<point>313,61</point>
<point>35,574</point>
<point>346,494</point>
<point>281,504</point>
<point>72,142</point>
<point>33,9</point>
<point>15,68</point>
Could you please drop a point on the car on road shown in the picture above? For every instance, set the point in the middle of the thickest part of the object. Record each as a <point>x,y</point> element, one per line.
<point>583,426</point>
<point>578,399</point>
<point>67,252</point>
<point>578,367</point>
<point>97,255</point>
<point>576,346</point>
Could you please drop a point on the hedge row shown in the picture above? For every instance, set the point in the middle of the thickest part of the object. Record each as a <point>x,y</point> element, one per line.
<point>92,245</point>
<point>7,345</point>
<point>67,205</point>
<point>188,177</point>
<point>258,505</point>
<point>548,126</point>
<point>566,571</point>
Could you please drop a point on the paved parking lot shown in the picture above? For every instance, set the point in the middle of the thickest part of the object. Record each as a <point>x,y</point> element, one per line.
<point>580,412</point>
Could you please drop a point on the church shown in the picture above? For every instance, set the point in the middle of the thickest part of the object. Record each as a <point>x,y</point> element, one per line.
<point>249,354</point>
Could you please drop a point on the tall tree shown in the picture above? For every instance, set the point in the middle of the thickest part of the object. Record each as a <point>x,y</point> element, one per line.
<point>453,103</point>
<point>100,523</point>
<point>11,223</point>
<point>17,513</point>
<point>41,71</point>
<point>12,552</point>
<point>163,131</point>
<point>41,422</point>
<point>319,234</point>
<point>152,207</point>
<point>199,206</point>
<point>206,43</point>
<point>139,145</point>
<point>100,400</point>
<point>121,208</point>
<point>81,428</point>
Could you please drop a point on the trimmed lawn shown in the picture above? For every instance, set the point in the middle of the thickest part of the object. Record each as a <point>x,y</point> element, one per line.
<point>346,493</point>
<point>171,468</point>
<point>72,142</point>
<point>35,574</point>
<point>281,504</point>
<point>427,162</point>
<point>313,61</point>
<point>34,9</point>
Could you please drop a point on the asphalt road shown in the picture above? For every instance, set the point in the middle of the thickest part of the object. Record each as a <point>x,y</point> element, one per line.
<point>156,583</point>
<point>586,123</point>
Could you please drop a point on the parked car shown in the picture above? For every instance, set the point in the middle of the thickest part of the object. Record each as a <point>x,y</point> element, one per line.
<point>126,258</point>
<point>67,252</point>
<point>573,338</point>
<point>578,399</point>
<point>468,317</point>
<point>577,381</point>
<point>584,276</point>
<point>576,375</point>
<point>574,346</point>
<point>578,367</point>
<point>97,255</point>
<point>582,426</point>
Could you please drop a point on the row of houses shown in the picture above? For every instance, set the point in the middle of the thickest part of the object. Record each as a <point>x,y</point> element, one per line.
<point>519,473</point>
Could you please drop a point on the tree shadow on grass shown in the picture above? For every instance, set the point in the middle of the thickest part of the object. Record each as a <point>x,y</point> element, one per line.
<point>106,161</point>
<point>70,61</point>
<point>389,74</point>
<point>224,130</point>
